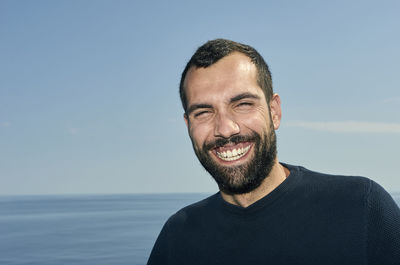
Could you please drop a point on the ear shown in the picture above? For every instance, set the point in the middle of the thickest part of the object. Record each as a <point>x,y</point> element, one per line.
<point>186,118</point>
<point>276,112</point>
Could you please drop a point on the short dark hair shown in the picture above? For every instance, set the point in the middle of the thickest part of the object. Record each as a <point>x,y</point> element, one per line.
<point>214,50</point>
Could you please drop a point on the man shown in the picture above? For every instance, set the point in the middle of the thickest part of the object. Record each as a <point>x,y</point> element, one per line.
<point>266,212</point>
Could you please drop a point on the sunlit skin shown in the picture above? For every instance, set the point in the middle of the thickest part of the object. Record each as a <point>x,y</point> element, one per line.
<point>223,100</point>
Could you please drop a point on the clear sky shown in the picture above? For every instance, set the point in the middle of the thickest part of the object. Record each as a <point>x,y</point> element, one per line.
<point>89,89</point>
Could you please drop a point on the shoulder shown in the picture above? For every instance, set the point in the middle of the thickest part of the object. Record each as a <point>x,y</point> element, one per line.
<point>380,202</point>
<point>333,180</point>
<point>331,185</point>
<point>194,212</point>
<point>383,226</point>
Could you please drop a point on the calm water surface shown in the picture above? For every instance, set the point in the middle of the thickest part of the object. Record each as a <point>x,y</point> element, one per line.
<point>83,230</point>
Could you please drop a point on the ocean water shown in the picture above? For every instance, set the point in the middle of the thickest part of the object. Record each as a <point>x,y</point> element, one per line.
<point>83,230</point>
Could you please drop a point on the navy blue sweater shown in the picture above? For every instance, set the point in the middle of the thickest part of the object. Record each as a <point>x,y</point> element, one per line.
<point>311,218</point>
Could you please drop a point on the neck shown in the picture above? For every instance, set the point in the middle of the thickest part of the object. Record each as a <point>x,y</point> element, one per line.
<point>277,175</point>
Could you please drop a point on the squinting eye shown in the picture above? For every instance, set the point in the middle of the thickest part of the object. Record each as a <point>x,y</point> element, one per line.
<point>244,104</point>
<point>198,114</point>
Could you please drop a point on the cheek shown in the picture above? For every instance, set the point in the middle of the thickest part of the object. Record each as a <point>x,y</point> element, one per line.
<point>257,123</point>
<point>199,134</point>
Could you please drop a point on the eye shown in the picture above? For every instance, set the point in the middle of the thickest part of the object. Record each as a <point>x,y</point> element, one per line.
<point>202,113</point>
<point>244,104</point>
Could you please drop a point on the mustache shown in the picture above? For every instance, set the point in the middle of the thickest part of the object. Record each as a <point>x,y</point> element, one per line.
<point>235,139</point>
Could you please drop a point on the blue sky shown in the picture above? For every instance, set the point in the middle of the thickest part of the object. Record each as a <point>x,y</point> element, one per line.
<point>89,89</point>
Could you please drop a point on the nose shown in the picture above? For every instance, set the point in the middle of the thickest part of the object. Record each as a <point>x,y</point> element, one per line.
<point>225,126</point>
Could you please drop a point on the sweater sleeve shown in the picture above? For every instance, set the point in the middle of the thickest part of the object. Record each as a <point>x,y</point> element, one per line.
<point>383,227</point>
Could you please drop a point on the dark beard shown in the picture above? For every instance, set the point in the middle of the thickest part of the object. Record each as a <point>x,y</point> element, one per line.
<point>243,178</point>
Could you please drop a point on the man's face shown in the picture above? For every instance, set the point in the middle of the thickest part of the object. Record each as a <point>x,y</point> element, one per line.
<point>229,123</point>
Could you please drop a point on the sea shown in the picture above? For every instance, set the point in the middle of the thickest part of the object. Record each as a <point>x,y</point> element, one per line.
<point>86,229</point>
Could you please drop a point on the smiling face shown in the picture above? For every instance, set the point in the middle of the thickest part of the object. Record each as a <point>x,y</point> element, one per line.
<point>229,123</point>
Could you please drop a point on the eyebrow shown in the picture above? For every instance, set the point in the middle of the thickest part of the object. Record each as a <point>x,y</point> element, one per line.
<point>197,106</point>
<point>243,96</point>
<point>232,100</point>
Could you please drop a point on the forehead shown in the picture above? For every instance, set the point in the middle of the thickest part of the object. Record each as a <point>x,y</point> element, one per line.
<point>231,75</point>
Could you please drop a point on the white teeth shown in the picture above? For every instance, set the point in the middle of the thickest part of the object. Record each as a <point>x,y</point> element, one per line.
<point>234,154</point>
<point>240,151</point>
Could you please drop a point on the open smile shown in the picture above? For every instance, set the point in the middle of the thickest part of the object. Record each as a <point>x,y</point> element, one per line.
<point>232,152</point>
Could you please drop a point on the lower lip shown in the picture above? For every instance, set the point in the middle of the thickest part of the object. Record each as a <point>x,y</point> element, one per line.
<point>233,161</point>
